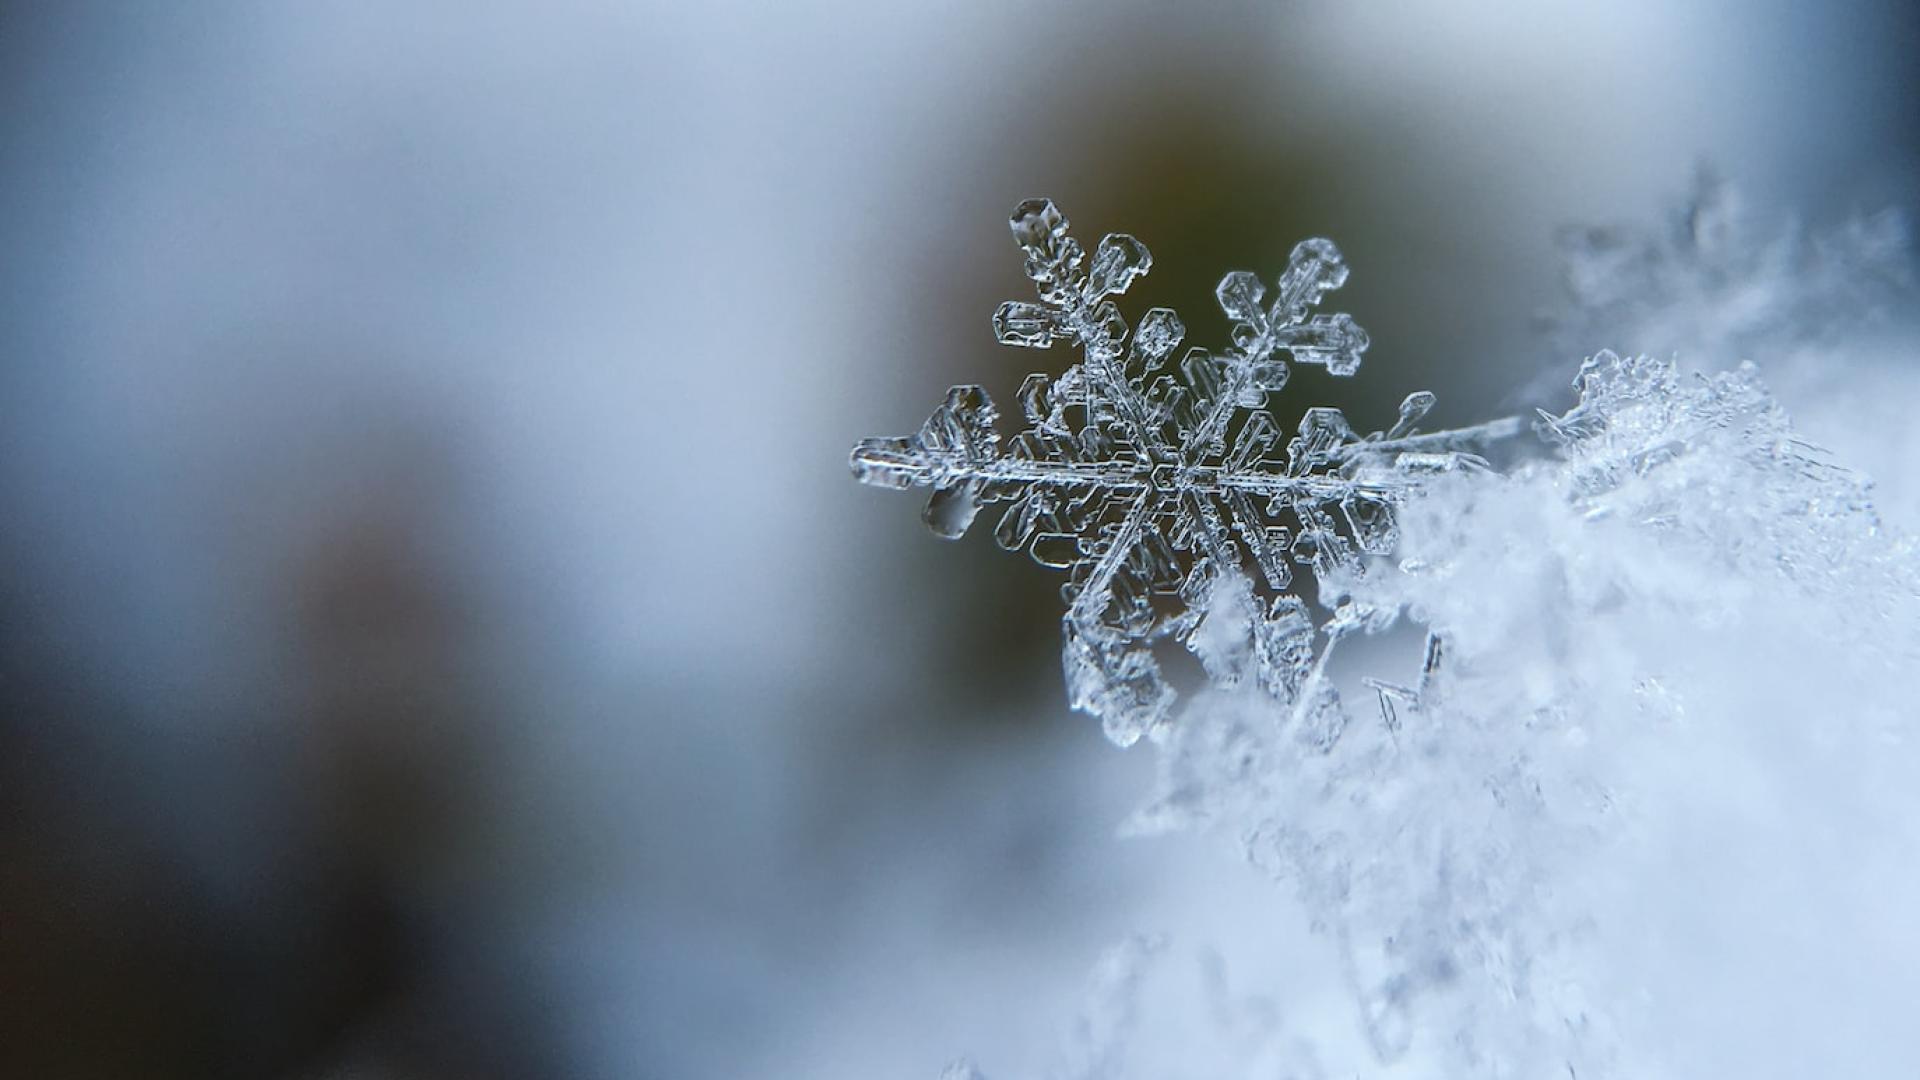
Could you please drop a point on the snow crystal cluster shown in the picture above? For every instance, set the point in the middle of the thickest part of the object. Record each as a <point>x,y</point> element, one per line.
<point>1671,618</point>
<point>1650,806</point>
<point>1832,311</point>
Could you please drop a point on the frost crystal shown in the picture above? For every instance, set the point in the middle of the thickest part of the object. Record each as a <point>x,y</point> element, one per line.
<point>1155,482</point>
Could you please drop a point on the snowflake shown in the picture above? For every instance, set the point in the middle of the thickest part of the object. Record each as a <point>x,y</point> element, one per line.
<point>1155,483</point>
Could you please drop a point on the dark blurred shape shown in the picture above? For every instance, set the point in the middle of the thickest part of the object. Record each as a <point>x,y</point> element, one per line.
<point>339,807</point>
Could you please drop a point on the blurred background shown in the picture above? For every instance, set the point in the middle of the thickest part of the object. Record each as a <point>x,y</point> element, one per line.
<point>438,633</point>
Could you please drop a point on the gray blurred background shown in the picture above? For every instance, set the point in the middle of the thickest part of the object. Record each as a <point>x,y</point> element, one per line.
<point>438,634</point>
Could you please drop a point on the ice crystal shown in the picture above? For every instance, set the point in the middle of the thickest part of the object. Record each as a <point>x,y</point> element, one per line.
<point>1154,481</point>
